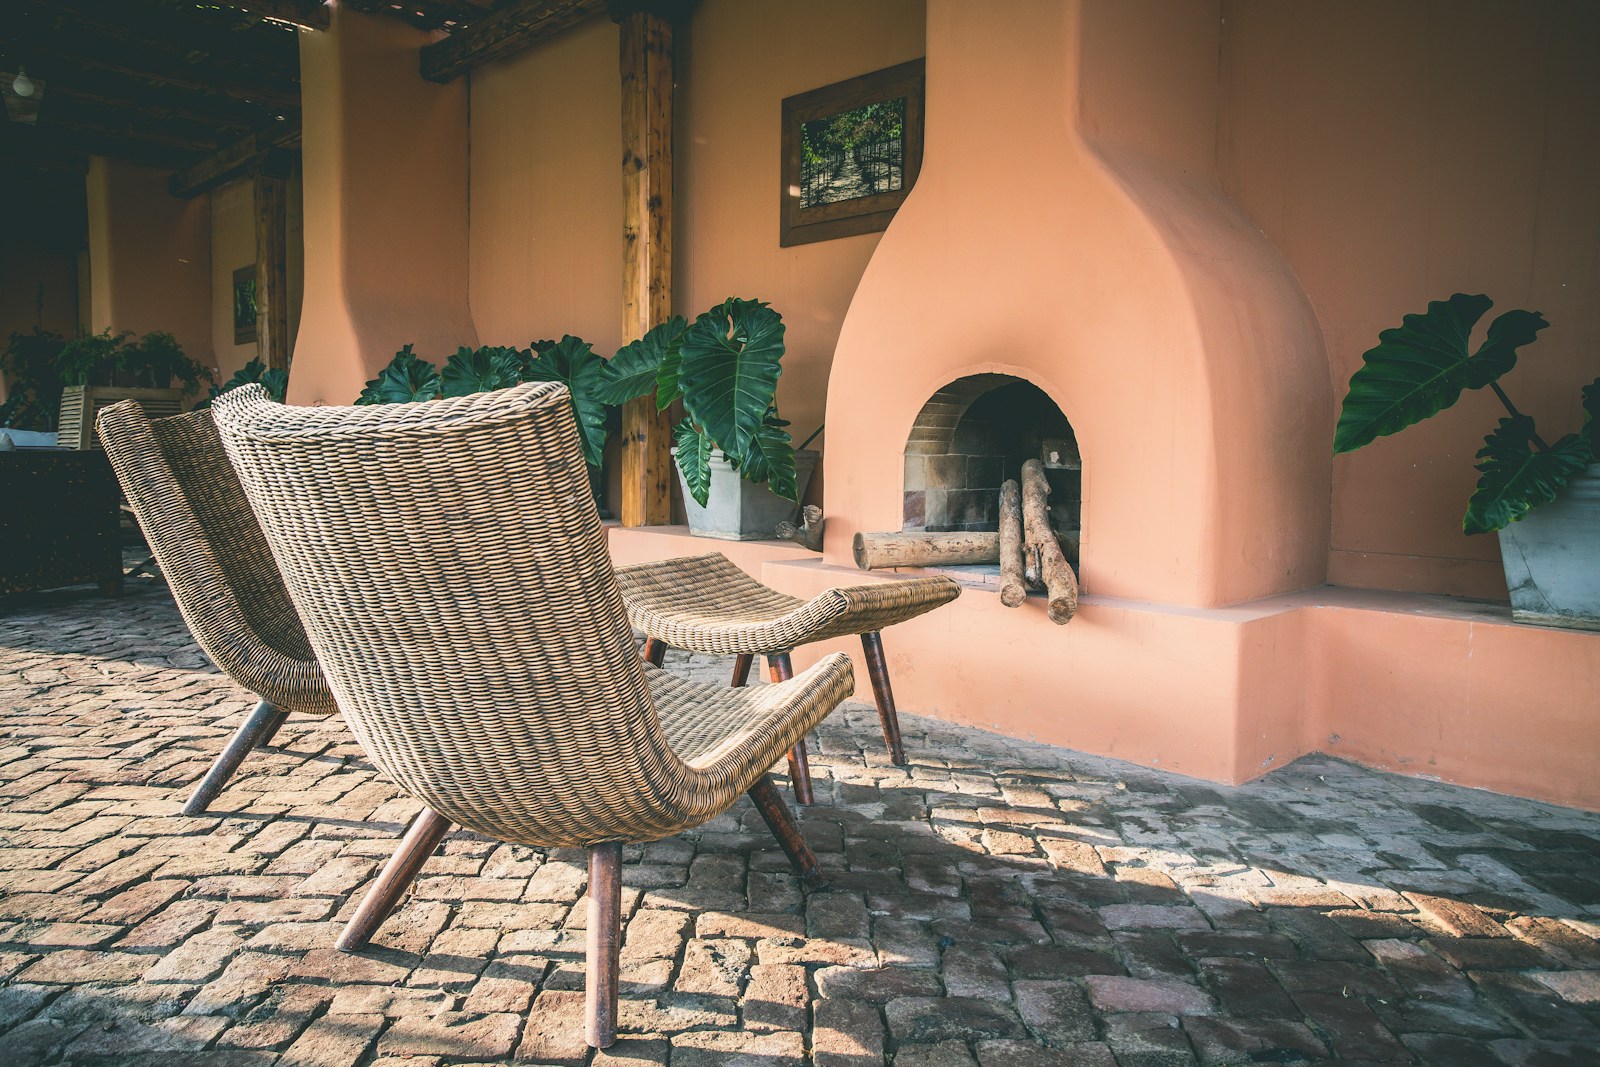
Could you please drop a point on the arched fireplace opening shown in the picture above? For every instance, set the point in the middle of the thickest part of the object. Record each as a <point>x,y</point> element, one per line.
<point>974,434</point>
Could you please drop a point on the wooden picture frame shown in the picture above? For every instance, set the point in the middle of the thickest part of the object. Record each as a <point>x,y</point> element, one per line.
<point>833,182</point>
<point>244,305</point>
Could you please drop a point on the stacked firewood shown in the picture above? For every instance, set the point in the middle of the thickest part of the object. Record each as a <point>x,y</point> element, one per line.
<point>1030,552</point>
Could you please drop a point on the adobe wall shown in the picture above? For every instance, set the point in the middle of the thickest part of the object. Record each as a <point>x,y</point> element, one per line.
<point>1399,153</point>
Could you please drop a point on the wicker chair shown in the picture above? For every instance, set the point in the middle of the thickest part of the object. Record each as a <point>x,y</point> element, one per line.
<point>707,604</point>
<point>453,577</point>
<point>216,562</point>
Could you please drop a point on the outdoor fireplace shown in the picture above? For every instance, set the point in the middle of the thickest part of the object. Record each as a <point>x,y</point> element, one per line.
<point>974,434</point>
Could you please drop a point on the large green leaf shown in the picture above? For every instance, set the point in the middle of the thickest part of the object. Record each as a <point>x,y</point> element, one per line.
<point>1591,418</point>
<point>1420,367</point>
<point>729,374</point>
<point>404,380</point>
<point>274,381</point>
<point>480,370</point>
<point>694,460</point>
<point>770,459</point>
<point>634,370</point>
<point>1517,477</point>
<point>573,363</point>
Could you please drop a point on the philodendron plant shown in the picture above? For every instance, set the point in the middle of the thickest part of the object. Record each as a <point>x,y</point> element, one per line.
<point>725,367</point>
<point>1421,367</point>
<point>570,361</point>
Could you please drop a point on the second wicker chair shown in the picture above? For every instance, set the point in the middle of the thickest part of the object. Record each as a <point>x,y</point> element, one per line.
<point>217,565</point>
<point>453,577</point>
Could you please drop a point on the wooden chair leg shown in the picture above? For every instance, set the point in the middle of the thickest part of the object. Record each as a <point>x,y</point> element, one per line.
<point>772,808</point>
<point>260,723</point>
<point>878,670</point>
<point>782,670</point>
<point>654,651</point>
<point>741,669</point>
<point>604,944</point>
<point>426,831</point>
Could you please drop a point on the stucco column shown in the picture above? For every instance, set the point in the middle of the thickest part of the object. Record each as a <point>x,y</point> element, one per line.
<point>149,257</point>
<point>384,155</point>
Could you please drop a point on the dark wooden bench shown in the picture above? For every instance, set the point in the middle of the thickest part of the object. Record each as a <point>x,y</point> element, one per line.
<point>58,520</point>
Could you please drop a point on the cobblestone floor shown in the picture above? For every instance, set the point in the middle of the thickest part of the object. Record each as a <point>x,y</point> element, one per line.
<point>997,903</point>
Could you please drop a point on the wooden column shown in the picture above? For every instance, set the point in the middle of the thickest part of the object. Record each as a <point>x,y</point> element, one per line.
<point>272,255</point>
<point>646,58</point>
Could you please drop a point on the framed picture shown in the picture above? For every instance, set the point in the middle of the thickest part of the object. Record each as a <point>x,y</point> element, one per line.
<point>244,305</point>
<point>851,153</point>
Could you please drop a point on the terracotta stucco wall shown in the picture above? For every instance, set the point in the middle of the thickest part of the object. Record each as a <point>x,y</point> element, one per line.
<point>546,248</point>
<point>149,257</point>
<point>233,245</point>
<point>1398,153</point>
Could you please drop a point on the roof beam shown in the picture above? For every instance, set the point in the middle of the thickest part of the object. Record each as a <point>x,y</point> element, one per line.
<point>236,160</point>
<point>508,31</point>
<point>306,14</point>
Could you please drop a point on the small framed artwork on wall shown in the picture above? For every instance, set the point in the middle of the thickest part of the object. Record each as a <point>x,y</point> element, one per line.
<point>244,305</point>
<point>851,153</point>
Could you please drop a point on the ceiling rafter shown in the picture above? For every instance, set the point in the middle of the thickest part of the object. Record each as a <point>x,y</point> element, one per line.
<point>510,30</point>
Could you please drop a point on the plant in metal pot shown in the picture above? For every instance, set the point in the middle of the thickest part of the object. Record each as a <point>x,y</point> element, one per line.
<point>724,366</point>
<point>1422,367</point>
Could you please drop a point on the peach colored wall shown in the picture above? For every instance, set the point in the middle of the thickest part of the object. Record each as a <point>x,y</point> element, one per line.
<point>728,169</point>
<point>149,257</point>
<point>233,245</point>
<point>547,192</point>
<point>1170,335</point>
<point>384,158</point>
<point>1398,153</point>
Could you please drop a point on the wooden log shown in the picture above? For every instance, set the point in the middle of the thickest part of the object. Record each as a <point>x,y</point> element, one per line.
<point>1012,591</point>
<point>923,548</point>
<point>1059,581</point>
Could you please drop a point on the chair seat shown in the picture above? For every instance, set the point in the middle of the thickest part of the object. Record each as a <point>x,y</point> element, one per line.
<point>707,604</point>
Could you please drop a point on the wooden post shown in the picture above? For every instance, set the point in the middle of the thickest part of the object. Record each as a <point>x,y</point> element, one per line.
<point>272,280</point>
<point>646,61</point>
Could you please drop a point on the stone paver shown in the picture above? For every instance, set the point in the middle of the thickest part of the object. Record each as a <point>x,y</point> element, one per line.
<point>996,903</point>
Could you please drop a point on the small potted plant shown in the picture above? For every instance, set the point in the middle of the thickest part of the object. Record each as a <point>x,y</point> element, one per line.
<point>1543,498</point>
<point>740,474</point>
<point>103,368</point>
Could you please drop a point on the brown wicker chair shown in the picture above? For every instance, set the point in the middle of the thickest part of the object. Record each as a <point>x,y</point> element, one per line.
<point>216,562</point>
<point>707,604</point>
<point>452,573</point>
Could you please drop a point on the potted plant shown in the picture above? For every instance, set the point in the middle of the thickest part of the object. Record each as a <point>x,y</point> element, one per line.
<point>739,473</point>
<point>103,368</point>
<point>33,397</point>
<point>1544,499</point>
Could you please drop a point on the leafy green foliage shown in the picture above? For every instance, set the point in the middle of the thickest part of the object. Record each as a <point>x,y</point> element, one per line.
<point>155,360</point>
<point>730,369</point>
<point>1420,368</point>
<point>33,400</point>
<point>274,381</point>
<point>1516,478</point>
<point>1591,416</point>
<point>477,370</point>
<point>694,460</point>
<point>643,365</point>
<point>573,363</point>
<point>405,380</point>
<point>770,458</point>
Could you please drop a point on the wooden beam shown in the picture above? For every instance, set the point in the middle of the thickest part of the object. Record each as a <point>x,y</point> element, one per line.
<point>234,161</point>
<point>306,14</point>
<point>646,61</point>
<point>510,30</point>
<point>272,279</point>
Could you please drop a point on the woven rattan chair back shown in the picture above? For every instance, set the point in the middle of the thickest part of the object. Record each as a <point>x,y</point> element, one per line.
<point>453,576</point>
<point>212,553</point>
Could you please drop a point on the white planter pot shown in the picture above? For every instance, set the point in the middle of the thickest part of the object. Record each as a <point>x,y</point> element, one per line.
<point>738,510</point>
<point>1552,558</point>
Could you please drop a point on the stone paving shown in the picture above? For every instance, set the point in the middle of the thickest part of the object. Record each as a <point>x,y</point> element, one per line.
<point>997,903</point>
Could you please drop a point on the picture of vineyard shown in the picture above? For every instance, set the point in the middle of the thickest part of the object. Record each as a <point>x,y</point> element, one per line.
<point>853,154</point>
